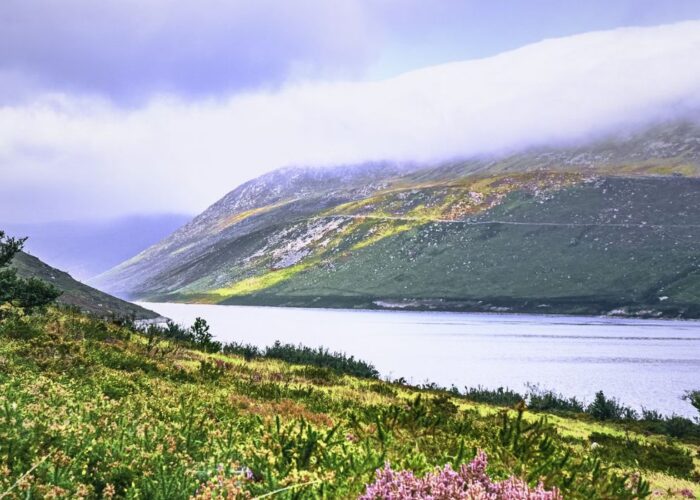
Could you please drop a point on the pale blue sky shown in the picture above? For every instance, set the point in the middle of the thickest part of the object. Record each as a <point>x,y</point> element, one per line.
<point>427,33</point>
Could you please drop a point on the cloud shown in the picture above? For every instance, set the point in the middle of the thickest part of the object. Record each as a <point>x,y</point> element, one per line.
<point>88,157</point>
<point>129,49</point>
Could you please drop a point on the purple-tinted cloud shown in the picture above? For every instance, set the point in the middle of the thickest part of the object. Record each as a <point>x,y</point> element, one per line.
<point>128,49</point>
<point>61,154</point>
<point>131,50</point>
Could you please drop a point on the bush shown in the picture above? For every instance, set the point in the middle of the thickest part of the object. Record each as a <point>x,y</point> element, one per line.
<point>202,338</point>
<point>693,397</point>
<point>247,351</point>
<point>336,361</point>
<point>16,324</point>
<point>547,400</point>
<point>197,336</point>
<point>320,357</point>
<point>500,396</point>
<point>603,408</point>
<point>651,456</point>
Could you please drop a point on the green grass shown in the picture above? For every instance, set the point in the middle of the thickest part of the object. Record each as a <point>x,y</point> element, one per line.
<point>89,408</point>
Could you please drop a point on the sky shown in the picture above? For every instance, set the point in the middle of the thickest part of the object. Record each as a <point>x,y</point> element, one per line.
<point>125,107</point>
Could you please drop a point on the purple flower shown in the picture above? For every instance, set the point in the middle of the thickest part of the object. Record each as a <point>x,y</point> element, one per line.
<point>471,482</point>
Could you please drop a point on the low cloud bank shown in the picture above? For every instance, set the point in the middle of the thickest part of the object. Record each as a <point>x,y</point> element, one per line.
<point>61,154</point>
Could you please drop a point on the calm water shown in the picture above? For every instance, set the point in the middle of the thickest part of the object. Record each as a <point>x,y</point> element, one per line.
<point>642,362</point>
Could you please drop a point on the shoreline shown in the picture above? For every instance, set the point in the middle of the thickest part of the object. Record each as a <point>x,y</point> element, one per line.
<point>609,319</point>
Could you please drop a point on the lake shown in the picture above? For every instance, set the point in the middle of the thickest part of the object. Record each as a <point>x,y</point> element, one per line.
<point>649,363</point>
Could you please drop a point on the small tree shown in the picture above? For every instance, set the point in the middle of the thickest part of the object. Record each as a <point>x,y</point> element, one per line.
<point>200,332</point>
<point>26,293</point>
<point>202,338</point>
<point>603,408</point>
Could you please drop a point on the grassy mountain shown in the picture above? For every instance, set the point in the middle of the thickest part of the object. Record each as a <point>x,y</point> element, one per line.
<point>610,226</point>
<point>77,294</point>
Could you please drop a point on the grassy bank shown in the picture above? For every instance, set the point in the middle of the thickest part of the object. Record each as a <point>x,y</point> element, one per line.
<point>94,409</point>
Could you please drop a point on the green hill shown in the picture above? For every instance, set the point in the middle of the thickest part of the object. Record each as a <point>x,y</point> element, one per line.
<point>77,294</point>
<point>605,228</point>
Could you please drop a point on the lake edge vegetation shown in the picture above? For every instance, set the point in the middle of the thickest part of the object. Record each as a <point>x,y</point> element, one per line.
<point>94,408</point>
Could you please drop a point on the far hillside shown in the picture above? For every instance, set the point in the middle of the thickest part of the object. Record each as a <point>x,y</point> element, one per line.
<point>77,294</point>
<point>607,227</point>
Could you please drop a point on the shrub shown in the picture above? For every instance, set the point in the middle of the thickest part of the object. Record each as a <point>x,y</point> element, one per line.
<point>16,324</point>
<point>202,338</point>
<point>548,400</point>
<point>302,355</point>
<point>248,351</point>
<point>321,356</point>
<point>197,336</point>
<point>693,397</point>
<point>603,408</point>
<point>500,396</point>
<point>650,456</point>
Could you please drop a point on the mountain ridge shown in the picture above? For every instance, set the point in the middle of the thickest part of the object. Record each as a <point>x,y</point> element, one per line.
<point>281,239</point>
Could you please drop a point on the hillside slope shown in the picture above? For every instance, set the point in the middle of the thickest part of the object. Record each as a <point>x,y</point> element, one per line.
<point>96,410</point>
<point>77,294</point>
<point>611,227</point>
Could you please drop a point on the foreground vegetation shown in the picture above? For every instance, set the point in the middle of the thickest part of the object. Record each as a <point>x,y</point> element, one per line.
<point>90,409</point>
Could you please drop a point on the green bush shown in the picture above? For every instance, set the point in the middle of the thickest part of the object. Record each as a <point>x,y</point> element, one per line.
<point>301,355</point>
<point>603,408</point>
<point>501,396</point>
<point>550,401</point>
<point>649,456</point>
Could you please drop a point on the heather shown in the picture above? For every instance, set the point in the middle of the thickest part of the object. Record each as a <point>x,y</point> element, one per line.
<point>470,482</point>
<point>91,409</point>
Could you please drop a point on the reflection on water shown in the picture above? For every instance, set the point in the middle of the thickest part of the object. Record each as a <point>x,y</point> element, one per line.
<point>645,363</point>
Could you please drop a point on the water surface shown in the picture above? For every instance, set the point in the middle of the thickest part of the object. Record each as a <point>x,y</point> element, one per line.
<point>644,363</point>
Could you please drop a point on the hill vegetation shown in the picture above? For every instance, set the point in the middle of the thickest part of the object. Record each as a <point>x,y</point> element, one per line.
<point>606,228</point>
<point>91,408</point>
<point>95,409</point>
<point>76,294</point>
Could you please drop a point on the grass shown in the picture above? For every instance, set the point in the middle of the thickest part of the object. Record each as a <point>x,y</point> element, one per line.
<point>261,282</point>
<point>91,409</point>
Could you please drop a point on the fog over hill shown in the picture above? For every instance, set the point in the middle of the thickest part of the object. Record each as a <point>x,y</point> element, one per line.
<point>86,151</point>
<point>604,227</point>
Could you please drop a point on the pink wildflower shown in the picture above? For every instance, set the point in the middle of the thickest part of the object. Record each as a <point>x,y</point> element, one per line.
<point>471,482</point>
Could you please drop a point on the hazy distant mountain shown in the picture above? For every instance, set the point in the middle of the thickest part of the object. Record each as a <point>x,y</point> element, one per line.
<point>78,294</point>
<point>87,248</point>
<point>608,226</point>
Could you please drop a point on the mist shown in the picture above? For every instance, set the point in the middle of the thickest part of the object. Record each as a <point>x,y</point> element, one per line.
<point>64,156</point>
